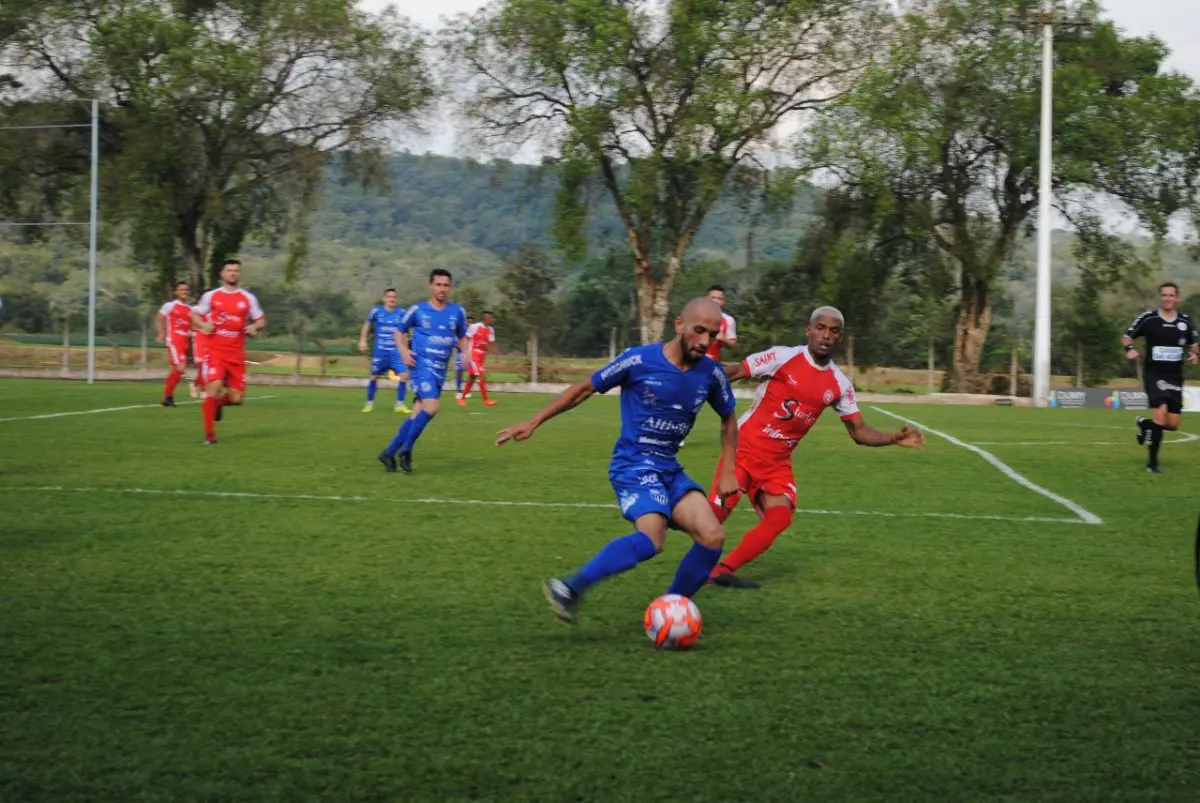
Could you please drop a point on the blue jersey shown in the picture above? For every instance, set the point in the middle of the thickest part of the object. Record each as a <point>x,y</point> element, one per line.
<point>659,404</point>
<point>384,325</point>
<point>434,333</point>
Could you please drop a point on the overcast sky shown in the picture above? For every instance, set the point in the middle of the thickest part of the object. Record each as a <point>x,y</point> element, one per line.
<point>1176,22</point>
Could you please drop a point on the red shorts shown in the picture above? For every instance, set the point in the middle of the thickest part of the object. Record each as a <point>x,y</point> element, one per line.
<point>772,477</point>
<point>199,351</point>
<point>177,349</point>
<point>227,368</point>
<point>475,365</point>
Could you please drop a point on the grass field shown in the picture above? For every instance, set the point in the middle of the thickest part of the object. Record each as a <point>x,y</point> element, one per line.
<point>276,618</point>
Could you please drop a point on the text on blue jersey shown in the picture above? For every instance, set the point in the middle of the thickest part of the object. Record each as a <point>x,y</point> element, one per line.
<point>660,402</point>
<point>434,332</point>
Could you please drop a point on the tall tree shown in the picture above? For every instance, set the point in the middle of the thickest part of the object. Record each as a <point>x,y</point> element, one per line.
<point>653,102</point>
<point>222,113</point>
<point>950,124</point>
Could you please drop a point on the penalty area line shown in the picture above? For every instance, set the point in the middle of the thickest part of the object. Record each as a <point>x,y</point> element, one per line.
<point>111,410</point>
<point>1085,515</point>
<point>501,503</point>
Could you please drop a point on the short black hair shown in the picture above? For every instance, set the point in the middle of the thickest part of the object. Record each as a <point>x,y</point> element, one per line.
<point>389,290</point>
<point>229,262</point>
<point>470,317</point>
<point>436,272</point>
<point>181,284</point>
<point>488,312</point>
<point>1165,285</point>
<point>715,287</point>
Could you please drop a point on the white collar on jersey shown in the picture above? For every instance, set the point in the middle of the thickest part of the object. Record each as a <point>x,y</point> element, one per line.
<point>827,367</point>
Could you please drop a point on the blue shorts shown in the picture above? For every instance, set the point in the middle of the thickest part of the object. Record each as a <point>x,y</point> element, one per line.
<point>648,490</point>
<point>387,361</point>
<point>427,382</point>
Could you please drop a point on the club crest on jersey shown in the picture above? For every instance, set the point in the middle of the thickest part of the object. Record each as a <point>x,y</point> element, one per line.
<point>1182,326</point>
<point>648,397</point>
<point>241,305</point>
<point>827,398</point>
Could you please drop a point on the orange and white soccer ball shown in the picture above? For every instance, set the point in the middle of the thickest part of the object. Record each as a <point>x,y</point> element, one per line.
<point>672,622</point>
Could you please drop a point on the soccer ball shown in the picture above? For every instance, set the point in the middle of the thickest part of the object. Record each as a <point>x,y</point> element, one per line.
<point>672,622</point>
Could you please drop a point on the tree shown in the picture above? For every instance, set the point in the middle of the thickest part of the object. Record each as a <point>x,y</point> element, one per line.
<point>949,124</point>
<point>256,96</point>
<point>653,103</point>
<point>528,284</point>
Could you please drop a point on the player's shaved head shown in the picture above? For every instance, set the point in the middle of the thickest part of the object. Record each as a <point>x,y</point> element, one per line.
<point>698,324</point>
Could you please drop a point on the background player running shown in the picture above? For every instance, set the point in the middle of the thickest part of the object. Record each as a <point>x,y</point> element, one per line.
<point>728,333</point>
<point>663,387</point>
<point>435,326</point>
<point>1169,335</point>
<point>480,336</point>
<point>382,324</point>
<point>800,382</point>
<point>229,314</point>
<point>173,329</point>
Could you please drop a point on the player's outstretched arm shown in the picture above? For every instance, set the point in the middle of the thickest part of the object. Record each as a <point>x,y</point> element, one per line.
<point>735,371</point>
<point>571,397</point>
<point>727,484</point>
<point>866,435</point>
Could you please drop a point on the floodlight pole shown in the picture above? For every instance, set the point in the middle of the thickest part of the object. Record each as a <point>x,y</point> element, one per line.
<point>91,348</point>
<point>1041,329</point>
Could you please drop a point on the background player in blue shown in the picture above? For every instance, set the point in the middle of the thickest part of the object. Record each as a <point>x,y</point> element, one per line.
<point>663,387</point>
<point>435,327</point>
<point>382,324</point>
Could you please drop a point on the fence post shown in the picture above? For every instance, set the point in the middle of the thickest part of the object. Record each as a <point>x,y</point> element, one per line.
<point>1078,363</point>
<point>533,355</point>
<point>931,364</point>
<point>1014,375</point>
<point>612,344</point>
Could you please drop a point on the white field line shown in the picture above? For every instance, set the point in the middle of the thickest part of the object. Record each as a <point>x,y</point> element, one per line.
<point>500,503</point>
<point>110,410</point>
<point>1087,516</point>
<point>1185,437</point>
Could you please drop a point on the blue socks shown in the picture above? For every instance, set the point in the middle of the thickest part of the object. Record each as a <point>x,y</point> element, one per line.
<point>694,569</point>
<point>619,555</point>
<point>401,387</point>
<point>372,386</point>
<point>401,436</point>
<point>417,427</point>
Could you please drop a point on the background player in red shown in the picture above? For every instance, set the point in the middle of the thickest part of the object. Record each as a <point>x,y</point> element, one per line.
<point>480,336</point>
<point>173,329</point>
<point>800,382</point>
<point>228,314</point>
<point>728,334</point>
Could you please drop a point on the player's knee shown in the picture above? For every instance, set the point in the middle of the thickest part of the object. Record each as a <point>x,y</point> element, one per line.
<point>711,536</point>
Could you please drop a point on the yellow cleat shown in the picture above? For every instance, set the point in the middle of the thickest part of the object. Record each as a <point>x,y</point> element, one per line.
<point>393,376</point>
<point>401,407</point>
<point>368,407</point>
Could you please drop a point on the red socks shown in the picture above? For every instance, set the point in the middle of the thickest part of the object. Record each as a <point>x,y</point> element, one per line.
<point>172,382</point>
<point>467,388</point>
<point>775,520</point>
<point>210,415</point>
<point>483,388</point>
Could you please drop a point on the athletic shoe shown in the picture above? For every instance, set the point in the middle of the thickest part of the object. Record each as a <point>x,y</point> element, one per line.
<point>1153,470</point>
<point>401,407</point>
<point>731,580</point>
<point>210,441</point>
<point>404,460</point>
<point>490,403</point>
<point>1141,430</point>
<point>389,462</point>
<point>368,407</point>
<point>563,600</point>
<point>168,401</point>
<point>460,401</point>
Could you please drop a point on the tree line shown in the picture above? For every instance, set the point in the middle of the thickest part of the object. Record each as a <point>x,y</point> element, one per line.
<point>908,138</point>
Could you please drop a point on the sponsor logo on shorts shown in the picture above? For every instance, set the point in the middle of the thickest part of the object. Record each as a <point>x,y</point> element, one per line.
<point>1162,384</point>
<point>627,500</point>
<point>648,479</point>
<point>658,496</point>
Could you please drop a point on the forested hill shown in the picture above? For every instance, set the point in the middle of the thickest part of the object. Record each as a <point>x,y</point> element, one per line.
<point>435,211</point>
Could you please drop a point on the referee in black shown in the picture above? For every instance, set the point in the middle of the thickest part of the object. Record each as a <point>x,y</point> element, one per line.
<point>1170,337</point>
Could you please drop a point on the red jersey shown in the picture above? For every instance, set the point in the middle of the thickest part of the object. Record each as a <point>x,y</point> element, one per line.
<point>480,335</point>
<point>230,311</point>
<point>788,403</point>
<point>178,318</point>
<point>728,332</point>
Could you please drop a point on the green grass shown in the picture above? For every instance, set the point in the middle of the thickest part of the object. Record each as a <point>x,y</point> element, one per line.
<point>182,646</point>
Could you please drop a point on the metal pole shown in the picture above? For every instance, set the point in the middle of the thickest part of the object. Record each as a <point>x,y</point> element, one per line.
<point>1041,330</point>
<point>91,352</point>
